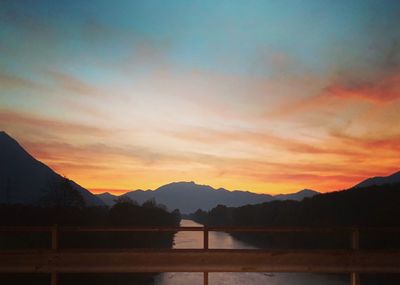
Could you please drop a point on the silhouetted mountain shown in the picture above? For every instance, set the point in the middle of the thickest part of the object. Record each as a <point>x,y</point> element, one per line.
<point>379,180</point>
<point>189,196</point>
<point>107,198</point>
<point>298,196</point>
<point>25,180</point>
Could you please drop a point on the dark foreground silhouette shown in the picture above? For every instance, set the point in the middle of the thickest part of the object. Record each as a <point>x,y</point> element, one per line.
<point>124,213</point>
<point>374,206</point>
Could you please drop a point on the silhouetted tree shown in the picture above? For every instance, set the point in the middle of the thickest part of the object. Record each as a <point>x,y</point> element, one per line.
<point>124,213</point>
<point>375,206</point>
<point>61,194</point>
<point>176,216</point>
<point>200,216</point>
<point>151,203</point>
<point>125,199</point>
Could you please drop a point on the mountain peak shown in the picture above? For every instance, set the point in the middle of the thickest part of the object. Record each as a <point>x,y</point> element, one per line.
<point>4,137</point>
<point>105,194</point>
<point>183,186</point>
<point>9,146</point>
<point>184,183</point>
<point>299,195</point>
<point>11,152</point>
<point>308,191</point>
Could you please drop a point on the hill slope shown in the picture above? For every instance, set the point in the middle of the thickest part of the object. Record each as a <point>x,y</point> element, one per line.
<point>376,205</point>
<point>380,180</point>
<point>25,180</point>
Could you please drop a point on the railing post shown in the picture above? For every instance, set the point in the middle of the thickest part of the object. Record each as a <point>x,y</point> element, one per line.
<point>205,246</point>
<point>355,278</point>
<point>205,237</point>
<point>205,278</point>
<point>54,237</point>
<point>355,239</point>
<point>54,278</point>
<point>54,246</point>
<point>355,245</point>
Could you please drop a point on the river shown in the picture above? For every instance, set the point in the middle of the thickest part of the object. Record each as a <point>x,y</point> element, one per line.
<point>224,240</point>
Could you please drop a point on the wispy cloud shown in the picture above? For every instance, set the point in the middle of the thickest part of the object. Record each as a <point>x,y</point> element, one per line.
<point>10,119</point>
<point>73,85</point>
<point>11,82</point>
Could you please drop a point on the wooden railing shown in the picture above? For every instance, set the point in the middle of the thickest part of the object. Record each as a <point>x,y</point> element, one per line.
<point>56,260</point>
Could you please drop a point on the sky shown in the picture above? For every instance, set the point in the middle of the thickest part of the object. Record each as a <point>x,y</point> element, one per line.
<point>265,96</point>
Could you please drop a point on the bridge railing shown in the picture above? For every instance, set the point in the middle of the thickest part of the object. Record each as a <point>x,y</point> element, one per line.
<point>56,260</point>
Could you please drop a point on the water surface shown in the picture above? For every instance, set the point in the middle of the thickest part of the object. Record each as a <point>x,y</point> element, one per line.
<point>223,240</point>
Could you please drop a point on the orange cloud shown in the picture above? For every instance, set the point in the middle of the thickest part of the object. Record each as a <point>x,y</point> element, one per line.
<point>293,145</point>
<point>379,91</point>
<point>341,93</point>
<point>385,144</point>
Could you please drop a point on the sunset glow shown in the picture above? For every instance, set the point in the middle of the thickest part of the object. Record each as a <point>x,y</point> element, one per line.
<point>251,95</point>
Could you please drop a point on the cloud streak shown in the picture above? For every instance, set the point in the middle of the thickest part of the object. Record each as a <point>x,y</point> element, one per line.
<point>21,119</point>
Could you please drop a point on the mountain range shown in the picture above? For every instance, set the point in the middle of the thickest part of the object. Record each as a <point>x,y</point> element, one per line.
<point>189,196</point>
<point>25,180</point>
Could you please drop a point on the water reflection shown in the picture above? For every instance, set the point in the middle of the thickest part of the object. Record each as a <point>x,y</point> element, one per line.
<point>223,240</point>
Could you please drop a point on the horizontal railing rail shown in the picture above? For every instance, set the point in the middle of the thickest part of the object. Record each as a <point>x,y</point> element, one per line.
<point>199,260</point>
<point>56,260</point>
<point>195,228</point>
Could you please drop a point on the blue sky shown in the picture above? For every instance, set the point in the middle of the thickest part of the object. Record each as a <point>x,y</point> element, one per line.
<point>214,35</point>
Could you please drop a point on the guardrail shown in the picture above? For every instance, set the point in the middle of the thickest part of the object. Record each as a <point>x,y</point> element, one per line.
<point>56,260</point>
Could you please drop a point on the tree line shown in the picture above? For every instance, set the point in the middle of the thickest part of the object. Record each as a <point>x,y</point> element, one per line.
<point>65,207</point>
<point>375,206</point>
